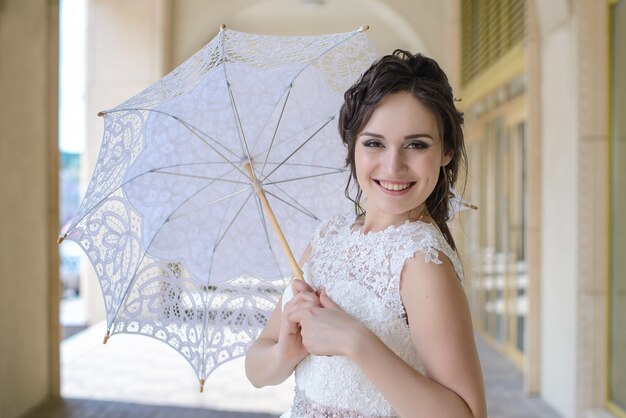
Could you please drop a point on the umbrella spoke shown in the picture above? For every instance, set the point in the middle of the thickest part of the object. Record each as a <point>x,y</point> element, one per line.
<point>322,54</point>
<point>297,149</point>
<point>327,167</point>
<point>221,199</point>
<point>202,177</point>
<point>280,118</point>
<point>213,148</point>
<point>184,123</point>
<point>207,299</point>
<point>287,139</point>
<point>232,221</point>
<point>242,135</point>
<point>297,206</point>
<point>337,171</point>
<point>99,202</point>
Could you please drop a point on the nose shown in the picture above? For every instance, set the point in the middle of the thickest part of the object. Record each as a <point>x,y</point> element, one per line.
<point>395,162</point>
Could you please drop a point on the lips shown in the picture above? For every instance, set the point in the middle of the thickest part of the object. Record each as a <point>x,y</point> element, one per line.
<point>394,186</point>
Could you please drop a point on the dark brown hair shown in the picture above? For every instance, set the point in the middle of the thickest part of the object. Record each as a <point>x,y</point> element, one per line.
<point>425,80</point>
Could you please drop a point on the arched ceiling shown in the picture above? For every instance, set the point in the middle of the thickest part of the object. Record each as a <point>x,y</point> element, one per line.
<point>416,25</point>
<point>390,30</point>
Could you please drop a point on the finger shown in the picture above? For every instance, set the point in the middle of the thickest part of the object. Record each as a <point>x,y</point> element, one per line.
<point>299,315</point>
<point>301,286</point>
<point>327,302</point>
<point>307,296</point>
<point>306,299</point>
<point>300,306</point>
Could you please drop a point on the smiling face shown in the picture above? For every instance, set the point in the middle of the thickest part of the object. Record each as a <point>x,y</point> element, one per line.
<point>398,156</point>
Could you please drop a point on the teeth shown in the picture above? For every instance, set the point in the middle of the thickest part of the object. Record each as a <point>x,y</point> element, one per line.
<point>394,186</point>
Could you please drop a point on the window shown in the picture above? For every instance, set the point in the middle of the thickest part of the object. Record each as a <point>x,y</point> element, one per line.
<point>496,132</point>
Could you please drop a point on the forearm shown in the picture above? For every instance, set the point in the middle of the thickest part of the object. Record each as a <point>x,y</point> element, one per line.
<point>410,393</point>
<point>266,363</point>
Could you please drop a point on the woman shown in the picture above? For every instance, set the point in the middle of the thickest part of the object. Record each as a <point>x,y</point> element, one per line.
<point>383,326</point>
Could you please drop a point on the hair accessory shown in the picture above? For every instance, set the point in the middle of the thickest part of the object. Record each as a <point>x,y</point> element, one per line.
<point>457,204</point>
<point>457,99</point>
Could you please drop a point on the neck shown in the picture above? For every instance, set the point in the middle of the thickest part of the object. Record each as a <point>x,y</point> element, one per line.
<point>374,221</point>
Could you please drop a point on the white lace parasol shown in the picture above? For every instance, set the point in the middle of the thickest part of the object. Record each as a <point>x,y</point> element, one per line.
<point>171,222</point>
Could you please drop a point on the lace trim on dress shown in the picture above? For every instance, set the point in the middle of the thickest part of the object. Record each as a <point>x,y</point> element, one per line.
<point>397,243</point>
<point>305,407</point>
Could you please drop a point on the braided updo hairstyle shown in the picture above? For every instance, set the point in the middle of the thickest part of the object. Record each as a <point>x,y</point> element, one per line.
<point>425,80</point>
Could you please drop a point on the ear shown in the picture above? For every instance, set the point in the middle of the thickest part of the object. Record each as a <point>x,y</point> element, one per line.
<point>447,157</point>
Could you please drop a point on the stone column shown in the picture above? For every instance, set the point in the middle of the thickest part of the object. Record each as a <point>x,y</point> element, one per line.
<point>29,269</point>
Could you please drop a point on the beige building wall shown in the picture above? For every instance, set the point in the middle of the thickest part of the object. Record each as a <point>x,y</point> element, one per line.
<point>29,281</point>
<point>559,236</point>
<point>566,65</point>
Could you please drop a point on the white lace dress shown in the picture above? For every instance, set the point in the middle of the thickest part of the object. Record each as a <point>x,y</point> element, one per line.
<point>361,273</point>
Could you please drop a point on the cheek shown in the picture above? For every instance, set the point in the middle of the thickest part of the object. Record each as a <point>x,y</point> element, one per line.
<point>360,165</point>
<point>428,167</point>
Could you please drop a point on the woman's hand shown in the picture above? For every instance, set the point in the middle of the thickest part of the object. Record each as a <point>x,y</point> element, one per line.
<point>289,337</point>
<point>328,330</point>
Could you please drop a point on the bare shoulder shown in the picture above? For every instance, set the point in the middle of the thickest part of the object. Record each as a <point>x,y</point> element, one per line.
<point>441,327</point>
<point>423,276</point>
<point>433,290</point>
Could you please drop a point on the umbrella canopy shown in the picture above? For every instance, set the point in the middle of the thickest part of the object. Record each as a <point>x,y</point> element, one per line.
<point>172,222</point>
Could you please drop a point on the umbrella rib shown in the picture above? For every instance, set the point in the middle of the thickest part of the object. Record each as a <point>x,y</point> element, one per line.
<point>287,139</point>
<point>207,205</point>
<point>280,118</point>
<point>219,240</point>
<point>338,171</point>
<point>218,153</point>
<point>186,124</point>
<point>324,53</point>
<point>297,149</point>
<point>242,134</point>
<point>311,166</point>
<point>206,302</point>
<point>69,229</point>
<point>205,315</point>
<point>299,207</point>
<point>201,177</point>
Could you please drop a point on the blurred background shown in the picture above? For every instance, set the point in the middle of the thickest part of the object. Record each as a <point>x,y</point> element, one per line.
<point>543,88</point>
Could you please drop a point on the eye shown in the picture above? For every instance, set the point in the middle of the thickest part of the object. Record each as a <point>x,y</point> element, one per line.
<point>417,145</point>
<point>372,143</point>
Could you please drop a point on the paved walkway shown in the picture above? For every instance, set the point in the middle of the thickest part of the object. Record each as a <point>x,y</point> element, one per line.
<point>139,377</point>
<point>504,387</point>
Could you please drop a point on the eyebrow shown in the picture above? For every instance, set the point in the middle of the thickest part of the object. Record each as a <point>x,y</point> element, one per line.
<point>413,136</point>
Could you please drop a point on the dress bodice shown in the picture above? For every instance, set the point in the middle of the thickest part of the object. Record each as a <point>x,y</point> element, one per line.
<point>361,273</point>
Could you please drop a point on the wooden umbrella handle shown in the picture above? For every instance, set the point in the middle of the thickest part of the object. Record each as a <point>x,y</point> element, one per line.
<point>270,213</point>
